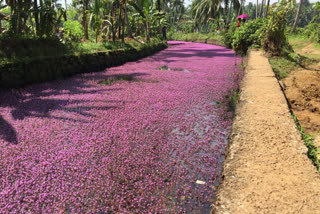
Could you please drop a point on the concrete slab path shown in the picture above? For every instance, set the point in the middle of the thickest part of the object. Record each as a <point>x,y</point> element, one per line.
<point>266,169</point>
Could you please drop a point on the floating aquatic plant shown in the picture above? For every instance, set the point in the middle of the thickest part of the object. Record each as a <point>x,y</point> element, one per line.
<point>75,146</point>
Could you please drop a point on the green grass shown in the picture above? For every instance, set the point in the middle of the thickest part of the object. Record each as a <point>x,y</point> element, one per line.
<point>91,47</point>
<point>27,49</point>
<point>282,66</point>
<point>298,42</point>
<point>113,79</point>
<point>193,37</point>
<point>234,100</point>
<point>164,68</point>
<point>313,151</point>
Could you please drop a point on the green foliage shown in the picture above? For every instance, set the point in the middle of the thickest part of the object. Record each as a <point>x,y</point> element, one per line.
<point>40,69</point>
<point>312,32</point>
<point>92,47</point>
<point>22,48</point>
<point>282,66</point>
<point>274,40</point>
<point>124,77</point>
<point>246,35</point>
<point>164,68</point>
<point>234,100</point>
<point>211,38</point>
<point>228,35</point>
<point>308,140</point>
<point>73,30</point>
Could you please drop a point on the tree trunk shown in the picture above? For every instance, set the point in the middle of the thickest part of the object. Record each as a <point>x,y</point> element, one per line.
<point>19,17</point>
<point>147,31</point>
<point>119,21</point>
<point>261,9</point>
<point>257,8</point>
<point>84,19</point>
<point>240,8</point>
<point>127,22</point>
<point>113,25</point>
<point>297,18</point>
<point>267,8</point>
<point>123,24</point>
<point>36,16</point>
<point>229,12</point>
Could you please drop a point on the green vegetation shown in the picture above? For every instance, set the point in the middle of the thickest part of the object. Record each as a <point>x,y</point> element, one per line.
<point>282,66</point>
<point>26,49</point>
<point>164,68</point>
<point>234,100</point>
<point>313,151</point>
<point>200,37</point>
<point>35,30</point>
<point>32,70</point>
<point>247,35</point>
<point>116,78</point>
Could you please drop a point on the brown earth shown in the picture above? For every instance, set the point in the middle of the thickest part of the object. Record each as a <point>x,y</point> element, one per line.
<point>266,169</point>
<point>309,50</point>
<point>302,89</point>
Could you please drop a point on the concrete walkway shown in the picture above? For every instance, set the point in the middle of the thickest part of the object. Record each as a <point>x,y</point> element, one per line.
<point>266,169</point>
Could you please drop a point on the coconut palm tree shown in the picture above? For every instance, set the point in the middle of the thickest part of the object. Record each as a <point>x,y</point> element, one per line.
<point>203,10</point>
<point>297,18</point>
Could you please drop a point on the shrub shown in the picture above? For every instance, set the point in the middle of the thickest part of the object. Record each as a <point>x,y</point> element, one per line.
<point>73,30</point>
<point>274,40</point>
<point>228,35</point>
<point>313,32</point>
<point>247,35</point>
<point>21,73</point>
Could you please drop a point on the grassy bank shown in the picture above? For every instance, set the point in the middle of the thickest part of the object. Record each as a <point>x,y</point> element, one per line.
<point>27,49</point>
<point>31,64</point>
<point>303,45</point>
<point>313,151</point>
<point>284,65</point>
<point>210,38</point>
<point>305,52</point>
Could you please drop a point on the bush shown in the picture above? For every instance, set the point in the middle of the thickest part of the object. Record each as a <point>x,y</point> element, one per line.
<point>73,30</point>
<point>275,41</point>
<point>246,35</point>
<point>21,73</point>
<point>313,32</point>
<point>228,35</point>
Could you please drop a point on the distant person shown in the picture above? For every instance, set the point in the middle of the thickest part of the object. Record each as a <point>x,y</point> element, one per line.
<point>239,22</point>
<point>219,30</point>
<point>164,33</point>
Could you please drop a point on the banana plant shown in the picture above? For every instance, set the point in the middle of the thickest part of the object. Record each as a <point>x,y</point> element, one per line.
<point>96,18</point>
<point>3,16</point>
<point>149,15</point>
<point>144,8</point>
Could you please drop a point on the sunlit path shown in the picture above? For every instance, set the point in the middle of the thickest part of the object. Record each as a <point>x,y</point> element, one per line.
<point>145,137</point>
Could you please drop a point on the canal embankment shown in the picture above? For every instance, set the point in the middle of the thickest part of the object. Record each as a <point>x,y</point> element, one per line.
<point>267,169</point>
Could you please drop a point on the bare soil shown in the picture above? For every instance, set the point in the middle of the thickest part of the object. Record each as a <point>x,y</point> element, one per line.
<point>309,50</point>
<point>266,168</point>
<point>303,93</point>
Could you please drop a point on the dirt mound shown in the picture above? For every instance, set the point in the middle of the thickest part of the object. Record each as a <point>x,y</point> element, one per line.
<point>303,93</point>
